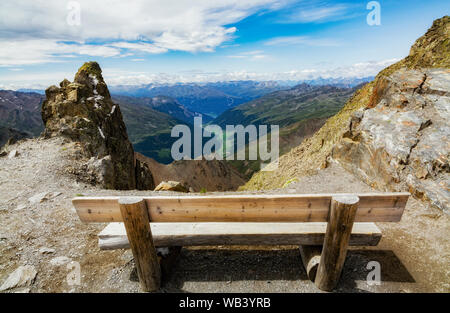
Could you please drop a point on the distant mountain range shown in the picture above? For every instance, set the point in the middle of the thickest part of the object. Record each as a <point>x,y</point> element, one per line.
<point>21,111</point>
<point>286,107</point>
<point>151,111</point>
<point>215,98</point>
<point>299,112</point>
<point>149,129</point>
<point>163,104</point>
<point>209,98</point>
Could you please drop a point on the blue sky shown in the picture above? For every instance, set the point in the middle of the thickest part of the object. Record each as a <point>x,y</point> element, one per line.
<point>183,41</point>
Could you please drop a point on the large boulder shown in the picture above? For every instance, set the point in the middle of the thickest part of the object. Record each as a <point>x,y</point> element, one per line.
<point>83,112</point>
<point>172,186</point>
<point>402,141</point>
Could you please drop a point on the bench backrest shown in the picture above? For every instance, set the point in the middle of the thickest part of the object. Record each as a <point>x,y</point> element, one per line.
<point>373,207</point>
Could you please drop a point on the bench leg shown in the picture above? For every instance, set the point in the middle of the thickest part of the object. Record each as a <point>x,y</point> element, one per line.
<point>137,224</point>
<point>341,217</point>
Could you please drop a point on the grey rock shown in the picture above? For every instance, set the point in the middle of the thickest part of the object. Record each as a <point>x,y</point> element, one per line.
<point>40,197</point>
<point>402,143</point>
<point>45,250</point>
<point>23,276</point>
<point>20,207</point>
<point>13,154</point>
<point>60,260</point>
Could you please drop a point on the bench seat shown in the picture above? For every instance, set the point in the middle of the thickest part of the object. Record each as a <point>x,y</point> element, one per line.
<point>210,234</point>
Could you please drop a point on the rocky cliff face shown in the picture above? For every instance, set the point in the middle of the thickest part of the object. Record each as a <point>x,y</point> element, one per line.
<point>83,112</point>
<point>393,132</point>
<point>403,142</point>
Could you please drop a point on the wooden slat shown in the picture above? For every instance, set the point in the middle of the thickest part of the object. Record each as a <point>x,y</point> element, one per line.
<point>201,234</point>
<point>384,207</point>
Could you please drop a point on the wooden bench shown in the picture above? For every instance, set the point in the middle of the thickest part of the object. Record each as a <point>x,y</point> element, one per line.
<point>323,225</point>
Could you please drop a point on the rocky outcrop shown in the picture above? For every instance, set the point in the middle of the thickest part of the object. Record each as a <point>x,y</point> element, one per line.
<point>403,142</point>
<point>144,176</point>
<point>429,51</point>
<point>83,112</point>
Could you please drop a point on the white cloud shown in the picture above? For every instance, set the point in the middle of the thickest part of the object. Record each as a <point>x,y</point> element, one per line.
<point>114,77</point>
<point>318,14</point>
<point>33,51</point>
<point>359,70</point>
<point>250,55</point>
<point>145,26</point>
<point>301,40</point>
<point>141,46</point>
<point>317,11</point>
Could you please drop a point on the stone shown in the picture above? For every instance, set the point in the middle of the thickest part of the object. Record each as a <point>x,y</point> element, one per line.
<point>171,186</point>
<point>45,250</point>
<point>144,177</point>
<point>20,207</point>
<point>40,197</point>
<point>60,260</point>
<point>102,171</point>
<point>23,276</point>
<point>13,154</point>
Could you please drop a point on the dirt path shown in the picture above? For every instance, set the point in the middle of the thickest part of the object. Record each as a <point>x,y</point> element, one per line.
<point>414,254</point>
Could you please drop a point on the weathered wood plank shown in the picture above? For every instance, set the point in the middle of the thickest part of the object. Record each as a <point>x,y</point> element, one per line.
<point>342,215</point>
<point>201,234</point>
<point>137,225</point>
<point>384,207</point>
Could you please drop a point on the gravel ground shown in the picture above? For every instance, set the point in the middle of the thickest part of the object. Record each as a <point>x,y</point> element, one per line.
<point>414,254</point>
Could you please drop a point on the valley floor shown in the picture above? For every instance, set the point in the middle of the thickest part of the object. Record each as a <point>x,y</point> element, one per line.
<point>414,254</point>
